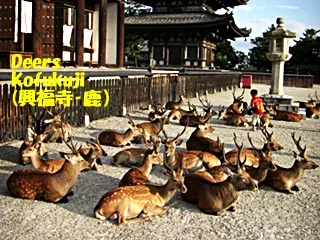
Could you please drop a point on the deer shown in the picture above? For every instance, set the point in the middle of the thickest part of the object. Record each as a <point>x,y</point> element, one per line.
<point>192,160</point>
<point>217,197</point>
<point>313,111</point>
<point>132,156</point>
<point>285,179</point>
<point>179,113</point>
<point>38,122</point>
<point>288,116</point>
<point>139,175</point>
<point>92,153</point>
<point>265,163</point>
<point>116,139</point>
<point>309,103</point>
<point>175,105</point>
<point>135,204</point>
<point>232,119</point>
<point>198,141</point>
<point>238,104</point>
<point>42,150</point>
<point>265,121</point>
<point>194,121</point>
<point>51,187</point>
<point>56,124</point>
<point>157,112</point>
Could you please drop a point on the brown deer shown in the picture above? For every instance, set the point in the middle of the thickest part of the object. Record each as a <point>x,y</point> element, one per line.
<point>132,156</point>
<point>134,204</point>
<point>285,179</point>
<point>217,198</point>
<point>198,141</point>
<point>194,121</point>
<point>237,106</point>
<point>139,175</point>
<point>157,112</point>
<point>232,119</point>
<point>116,139</point>
<point>271,143</point>
<point>192,160</point>
<point>42,150</point>
<point>52,187</point>
<point>288,116</point>
<point>175,105</point>
<point>313,111</point>
<point>56,124</point>
<point>265,121</point>
<point>91,154</point>
<point>265,163</point>
<point>178,113</point>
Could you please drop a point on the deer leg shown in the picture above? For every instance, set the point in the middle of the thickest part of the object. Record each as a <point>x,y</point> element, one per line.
<point>150,210</point>
<point>99,161</point>
<point>134,220</point>
<point>295,188</point>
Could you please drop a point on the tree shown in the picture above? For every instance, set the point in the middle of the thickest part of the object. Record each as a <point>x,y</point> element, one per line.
<point>305,54</point>
<point>257,54</point>
<point>133,8</point>
<point>226,57</point>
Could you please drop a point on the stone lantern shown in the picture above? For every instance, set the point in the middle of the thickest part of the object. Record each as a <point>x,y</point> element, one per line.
<point>278,54</point>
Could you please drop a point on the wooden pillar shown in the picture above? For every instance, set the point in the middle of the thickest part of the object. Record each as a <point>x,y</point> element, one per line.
<point>102,32</point>
<point>79,32</point>
<point>36,28</point>
<point>20,34</point>
<point>120,33</point>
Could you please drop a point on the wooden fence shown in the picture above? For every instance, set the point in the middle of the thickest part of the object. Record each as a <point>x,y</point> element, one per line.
<point>133,93</point>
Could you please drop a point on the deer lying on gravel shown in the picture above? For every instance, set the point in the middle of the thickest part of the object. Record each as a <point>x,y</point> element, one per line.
<point>198,141</point>
<point>134,204</point>
<point>52,187</point>
<point>265,121</point>
<point>288,116</point>
<point>157,112</point>
<point>238,104</point>
<point>91,154</point>
<point>139,175</point>
<point>175,105</point>
<point>233,119</point>
<point>194,121</point>
<point>56,124</point>
<point>178,113</point>
<point>42,150</point>
<point>313,111</point>
<point>217,198</point>
<point>285,179</point>
<point>192,160</point>
<point>115,139</point>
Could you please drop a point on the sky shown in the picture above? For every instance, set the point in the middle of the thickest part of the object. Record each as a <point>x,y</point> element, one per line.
<point>260,14</point>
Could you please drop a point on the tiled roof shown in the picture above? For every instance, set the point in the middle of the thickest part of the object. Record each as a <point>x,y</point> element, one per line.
<point>176,18</point>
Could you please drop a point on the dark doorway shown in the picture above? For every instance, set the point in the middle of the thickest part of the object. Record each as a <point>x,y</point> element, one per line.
<point>175,56</point>
<point>28,42</point>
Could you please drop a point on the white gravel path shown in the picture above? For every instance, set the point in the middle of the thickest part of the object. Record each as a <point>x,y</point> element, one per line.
<point>259,215</point>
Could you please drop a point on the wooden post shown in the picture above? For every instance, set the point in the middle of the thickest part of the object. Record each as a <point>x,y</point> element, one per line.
<point>36,28</point>
<point>20,34</point>
<point>102,32</point>
<point>120,33</point>
<point>79,32</point>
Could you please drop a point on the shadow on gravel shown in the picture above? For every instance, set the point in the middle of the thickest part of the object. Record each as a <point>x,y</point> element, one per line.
<point>3,184</point>
<point>90,187</point>
<point>9,153</point>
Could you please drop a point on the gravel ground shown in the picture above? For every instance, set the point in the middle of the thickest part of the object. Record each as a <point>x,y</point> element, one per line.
<point>266,214</point>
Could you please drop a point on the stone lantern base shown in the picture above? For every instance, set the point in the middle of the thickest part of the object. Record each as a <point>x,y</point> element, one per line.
<point>285,101</point>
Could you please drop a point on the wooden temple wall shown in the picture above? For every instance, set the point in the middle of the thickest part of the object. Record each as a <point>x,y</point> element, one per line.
<point>130,93</point>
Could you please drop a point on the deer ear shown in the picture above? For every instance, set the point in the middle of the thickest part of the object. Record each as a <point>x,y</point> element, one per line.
<point>179,142</point>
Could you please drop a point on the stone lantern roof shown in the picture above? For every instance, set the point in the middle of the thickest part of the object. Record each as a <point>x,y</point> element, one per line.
<point>280,31</point>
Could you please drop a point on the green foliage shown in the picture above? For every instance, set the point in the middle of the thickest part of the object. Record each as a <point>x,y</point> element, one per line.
<point>226,57</point>
<point>133,8</point>
<point>305,54</point>
<point>257,54</point>
<point>133,46</point>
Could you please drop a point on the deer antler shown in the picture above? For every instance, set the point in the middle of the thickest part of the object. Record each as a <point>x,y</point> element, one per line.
<point>72,146</point>
<point>130,120</point>
<point>266,134</point>
<point>180,134</point>
<point>302,151</point>
<point>251,143</point>
<point>316,95</point>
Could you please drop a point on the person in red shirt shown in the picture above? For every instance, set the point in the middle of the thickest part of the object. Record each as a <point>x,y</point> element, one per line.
<point>257,108</point>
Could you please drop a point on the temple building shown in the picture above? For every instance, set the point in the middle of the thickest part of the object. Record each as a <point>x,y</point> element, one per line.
<point>80,32</point>
<point>185,33</point>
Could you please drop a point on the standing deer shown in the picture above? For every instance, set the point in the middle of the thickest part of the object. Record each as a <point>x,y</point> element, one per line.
<point>198,141</point>
<point>52,187</point>
<point>288,116</point>
<point>285,179</point>
<point>134,204</point>
<point>192,160</point>
<point>217,198</point>
<point>115,139</point>
<point>175,105</point>
<point>139,175</point>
